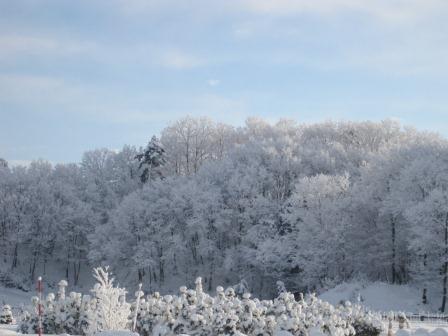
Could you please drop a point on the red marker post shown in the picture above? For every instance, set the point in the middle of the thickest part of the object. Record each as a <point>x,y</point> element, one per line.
<point>39,307</point>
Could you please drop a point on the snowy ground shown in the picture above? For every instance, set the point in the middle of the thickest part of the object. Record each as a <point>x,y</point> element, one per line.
<point>415,326</point>
<point>380,296</point>
<point>376,296</point>
<point>7,330</point>
<point>416,329</point>
<point>16,298</point>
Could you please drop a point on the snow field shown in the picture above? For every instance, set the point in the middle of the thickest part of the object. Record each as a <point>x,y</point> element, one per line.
<point>380,296</point>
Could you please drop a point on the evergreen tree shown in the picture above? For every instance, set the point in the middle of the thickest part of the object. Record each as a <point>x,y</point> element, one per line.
<point>6,315</point>
<point>151,159</point>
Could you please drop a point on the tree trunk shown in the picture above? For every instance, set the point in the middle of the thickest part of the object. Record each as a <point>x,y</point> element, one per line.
<point>212,270</point>
<point>175,271</point>
<point>161,271</point>
<point>76,271</point>
<point>33,265</point>
<point>140,274</point>
<point>67,265</point>
<point>424,296</point>
<point>394,271</point>
<point>445,266</point>
<point>14,259</point>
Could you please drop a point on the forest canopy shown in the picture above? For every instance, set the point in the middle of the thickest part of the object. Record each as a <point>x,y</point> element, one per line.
<point>310,205</point>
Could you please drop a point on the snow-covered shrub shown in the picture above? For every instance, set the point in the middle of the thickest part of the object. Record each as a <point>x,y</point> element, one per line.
<point>402,320</point>
<point>26,324</point>
<point>280,287</point>
<point>364,322</point>
<point>241,287</point>
<point>110,311</point>
<point>76,314</point>
<point>62,315</point>
<point>6,315</point>
<point>194,312</point>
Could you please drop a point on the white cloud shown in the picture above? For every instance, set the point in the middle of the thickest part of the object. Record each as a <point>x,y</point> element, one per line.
<point>387,10</point>
<point>35,89</point>
<point>398,10</point>
<point>43,95</point>
<point>412,50</point>
<point>177,59</point>
<point>15,45</point>
<point>213,82</point>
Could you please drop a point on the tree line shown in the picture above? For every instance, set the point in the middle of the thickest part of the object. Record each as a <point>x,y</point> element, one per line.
<point>310,205</point>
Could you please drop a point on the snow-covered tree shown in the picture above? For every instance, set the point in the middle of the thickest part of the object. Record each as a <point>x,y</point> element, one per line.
<point>151,160</point>
<point>6,315</point>
<point>111,310</point>
<point>262,202</point>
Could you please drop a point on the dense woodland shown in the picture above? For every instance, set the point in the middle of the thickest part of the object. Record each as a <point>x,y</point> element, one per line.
<point>311,205</point>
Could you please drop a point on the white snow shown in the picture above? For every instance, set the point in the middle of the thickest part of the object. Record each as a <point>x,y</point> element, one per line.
<point>420,331</point>
<point>11,330</point>
<point>8,330</point>
<point>16,298</point>
<point>286,333</point>
<point>416,330</point>
<point>378,296</point>
<point>421,328</point>
<point>116,333</point>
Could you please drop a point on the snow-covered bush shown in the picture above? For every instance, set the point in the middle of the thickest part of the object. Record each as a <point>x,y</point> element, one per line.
<point>61,314</point>
<point>6,315</point>
<point>110,310</point>
<point>78,314</point>
<point>194,312</point>
<point>281,287</point>
<point>364,322</point>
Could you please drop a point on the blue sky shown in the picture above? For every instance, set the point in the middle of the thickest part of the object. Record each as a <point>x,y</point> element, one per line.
<point>78,75</point>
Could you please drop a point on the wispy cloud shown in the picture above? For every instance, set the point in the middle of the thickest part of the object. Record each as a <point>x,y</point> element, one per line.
<point>16,47</point>
<point>178,59</point>
<point>44,95</point>
<point>29,45</point>
<point>391,11</point>
<point>213,82</point>
<point>32,89</point>
<point>387,10</point>
<point>396,38</point>
<point>138,64</point>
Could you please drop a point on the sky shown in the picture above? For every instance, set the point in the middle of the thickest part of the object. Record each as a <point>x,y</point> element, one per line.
<point>80,75</point>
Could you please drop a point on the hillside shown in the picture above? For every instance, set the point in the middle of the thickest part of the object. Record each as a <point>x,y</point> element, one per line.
<point>309,205</point>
